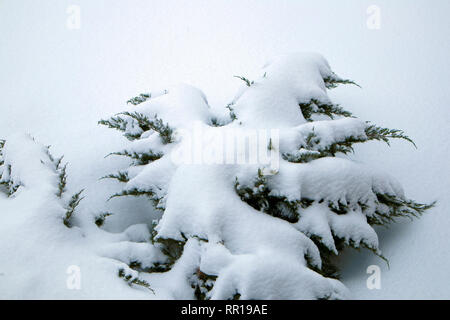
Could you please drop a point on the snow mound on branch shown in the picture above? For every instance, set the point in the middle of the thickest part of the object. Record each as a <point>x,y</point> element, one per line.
<point>320,221</point>
<point>332,179</point>
<point>180,106</point>
<point>264,276</point>
<point>273,100</point>
<point>217,213</point>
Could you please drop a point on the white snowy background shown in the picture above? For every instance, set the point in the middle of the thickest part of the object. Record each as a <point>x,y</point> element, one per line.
<point>56,83</point>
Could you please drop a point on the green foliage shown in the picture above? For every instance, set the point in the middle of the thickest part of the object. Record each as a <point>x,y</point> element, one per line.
<point>172,248</point>
<point>155,124</point>
<point>70,209</point>
<point>8,184</point>
<point>60,169</point>
<point>307,152</point>
<point>334,81</point>
<point>392,207</point>
<point>100,219</point>
<point>117,123</point>
<point>2,144</point>
<point>236,296</point>
<point>131,280</point>
<point>231,109</point>
<point>121,176</point>
<point>143,122</point>
<point>384,134</point>
<point>62,176</point>
<point>314,106</point>
<point>202,283</point>
<point>328,257</point>
<point>4,183</point>
<point>134,124</point>
<point>140,98</point>
<point>136,192</point>
<point>156,267</point>
<point>258,195</point>
<point>247,82</point>
<point>139,158</point>
<point>303,156</point>
<point>215,122</point>
<point>311,150</point>
<point>260,198</point>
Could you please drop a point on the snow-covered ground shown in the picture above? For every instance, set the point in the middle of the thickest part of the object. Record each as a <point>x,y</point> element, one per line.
<point>57,82</point>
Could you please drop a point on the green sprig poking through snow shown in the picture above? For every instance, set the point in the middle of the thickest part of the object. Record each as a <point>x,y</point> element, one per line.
<point>140,98</point>
<point>2,144</point>
<point>62,175</point>
<point>32,166</point>
<point>133,280</point>
<point>155,124</point>
<point>116,122</point>
<point>258,195</point>
<point>334,81</point>
<point>9,186</point>
<point>231,110</point>
<point>139,158</point>
<point>314,106</point>
<point>144,124</point>
<point>384,134</point>
<point>71,206</point>
<point>99,220</point>
<point>312,149</point>
<point>60,169</point>
<point>121,176</point>
<point>137,192</point>
<point>247,82</point>
<point>391,208</point>
<point>143,97</point>
<point>75,200</point>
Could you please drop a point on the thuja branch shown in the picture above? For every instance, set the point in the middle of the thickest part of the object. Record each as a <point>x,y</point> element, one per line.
<point>139,158</point>
<point>155,124</point>
<point>384,134</point>
<point>334,81</point>
<point>314,106</point>
<point>117,123</point>
<point>247,82</point>
<point>140,98</point>
<point>136,192</point>
<point>2,144</point>
<point>312,150</point>
<point>72,205</point>
<point>143,122</point>
<point>395,207</point>
<point>121,176</point>
<point>128,278</point>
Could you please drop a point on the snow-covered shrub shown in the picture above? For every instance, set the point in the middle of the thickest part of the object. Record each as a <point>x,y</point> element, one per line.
<point>42,236</point>
<point>241,230</point>
<point>24,163</point>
